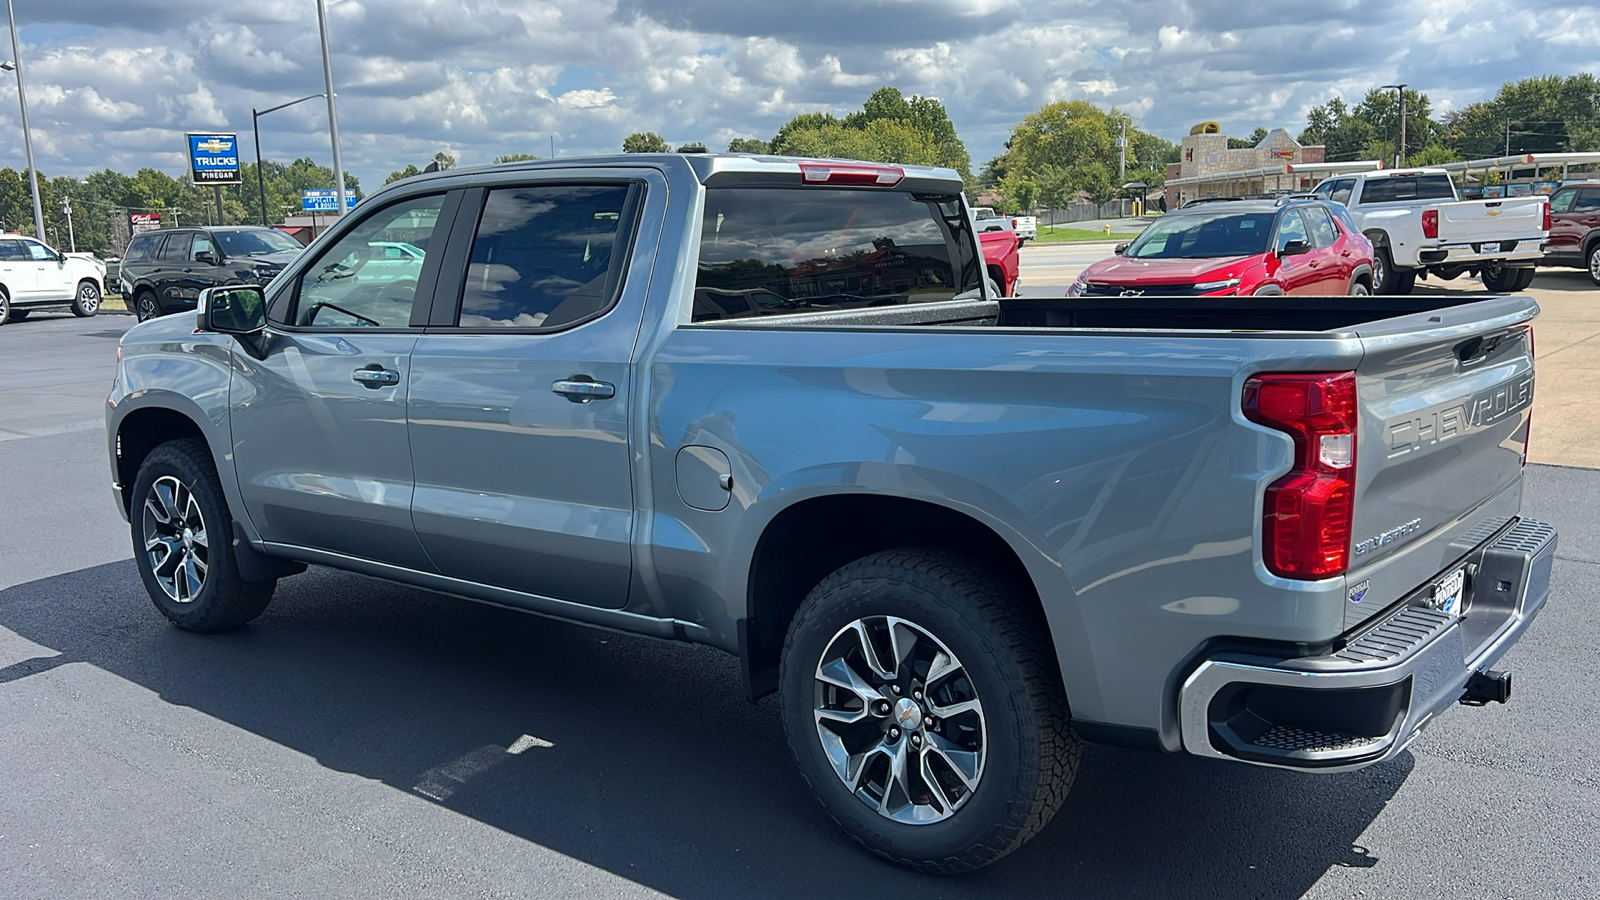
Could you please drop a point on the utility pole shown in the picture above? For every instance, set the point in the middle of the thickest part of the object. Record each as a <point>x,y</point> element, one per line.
<point>1122,153</point>
<point>333,115</point>
<point>27,133</point>
<point>72,239</point>
<point>1508,137</point>
<point>1402,127</point>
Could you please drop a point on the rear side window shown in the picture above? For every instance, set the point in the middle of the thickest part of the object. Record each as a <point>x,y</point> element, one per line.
<point>11,251</point>
<point>176,248</point>
<point>767,251</point>
<point>139,248</point>
<point>1322,227</point>
<point>1339,192</point>
<point>545,256</point>
<point>1408,187</point>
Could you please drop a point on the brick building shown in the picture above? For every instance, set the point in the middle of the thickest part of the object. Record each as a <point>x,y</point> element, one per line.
<point>1206,164</point>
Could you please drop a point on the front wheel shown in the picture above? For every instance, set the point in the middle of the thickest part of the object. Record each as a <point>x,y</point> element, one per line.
<point>182,542</point>
<point>924,708</point>
<point>144,306</point>
<point>1594,262</point>
<point>87,301</point>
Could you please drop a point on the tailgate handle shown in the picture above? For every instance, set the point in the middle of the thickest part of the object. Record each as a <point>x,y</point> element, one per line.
<point>1477,348</point>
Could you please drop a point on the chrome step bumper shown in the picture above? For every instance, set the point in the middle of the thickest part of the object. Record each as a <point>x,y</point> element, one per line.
<point>1367,700</point>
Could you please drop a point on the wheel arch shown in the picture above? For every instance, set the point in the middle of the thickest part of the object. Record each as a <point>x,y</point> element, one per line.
<point>1378,237</point>
<point>142,430</point>
<point>1362,274</point>
<point>811,538</point>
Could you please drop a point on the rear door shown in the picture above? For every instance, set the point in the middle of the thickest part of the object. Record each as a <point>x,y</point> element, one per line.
<point>168,275</point>
<point>17,274</point>
<point>1334,267</point>
<point>1445,399</point>
<point>1565,233</point>
<point>521,392</point>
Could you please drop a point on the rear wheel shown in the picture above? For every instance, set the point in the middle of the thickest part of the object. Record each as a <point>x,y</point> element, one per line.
<point>1593,260</point>
<point>5,308</point>
<point>925,711</point>
<point>1385,278</point>
<point>182,542</point>
<point>1359,289</point>
<point>87,301</point>
<point>1503,279</point>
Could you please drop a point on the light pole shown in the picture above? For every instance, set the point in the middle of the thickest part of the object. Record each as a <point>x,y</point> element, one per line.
<point>1400,154</point>
<point>27,133</point>
<point>333,116</point>
<point>255,129</point>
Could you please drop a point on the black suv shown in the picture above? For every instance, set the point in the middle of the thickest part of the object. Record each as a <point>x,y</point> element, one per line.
<point>164,271</point>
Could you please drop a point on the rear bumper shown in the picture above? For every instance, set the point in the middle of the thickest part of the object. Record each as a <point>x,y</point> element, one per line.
<point>1528,252</point>
<point>1368,700</point>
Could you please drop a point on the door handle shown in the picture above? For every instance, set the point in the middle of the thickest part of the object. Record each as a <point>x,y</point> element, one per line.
<point>1345,253</point>
<point>582,389</point>
<point>375,376</point>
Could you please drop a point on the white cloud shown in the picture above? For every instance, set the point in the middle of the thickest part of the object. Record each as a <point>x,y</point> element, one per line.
<point>487,77</point>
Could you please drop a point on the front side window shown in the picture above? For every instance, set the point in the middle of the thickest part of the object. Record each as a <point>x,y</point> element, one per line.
<point>765,251</point>
<point>1562,201</point>
<point>353,285</point>
<point>38,252</point>
<point>545,256</point>
<point>1292,228</point>
<point>1203,235</point>
<point>202,244</point>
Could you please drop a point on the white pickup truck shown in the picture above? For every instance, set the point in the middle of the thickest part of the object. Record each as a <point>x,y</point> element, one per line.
<point>1418,225</point>
<point>1025,227</point>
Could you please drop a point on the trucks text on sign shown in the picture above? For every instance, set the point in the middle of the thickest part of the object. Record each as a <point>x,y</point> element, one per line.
<point>213,158</point>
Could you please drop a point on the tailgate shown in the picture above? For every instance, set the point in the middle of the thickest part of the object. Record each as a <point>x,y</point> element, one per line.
<point>1469,221</point>
<point>1446,399</point>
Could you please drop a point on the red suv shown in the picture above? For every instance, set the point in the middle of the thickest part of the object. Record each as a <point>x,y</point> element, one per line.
<point>1224,247</point>
<point>1575,228</point>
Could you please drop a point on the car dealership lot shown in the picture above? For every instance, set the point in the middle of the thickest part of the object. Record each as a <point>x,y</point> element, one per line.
<point>363,739</point>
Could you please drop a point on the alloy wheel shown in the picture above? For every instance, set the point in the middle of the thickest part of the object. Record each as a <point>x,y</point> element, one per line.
<point>1380,271</point>
<point>1594,264</point>
<point>900,720</point>
<point>88,297</point>
<point>146,307</point>
<point>175,540</point>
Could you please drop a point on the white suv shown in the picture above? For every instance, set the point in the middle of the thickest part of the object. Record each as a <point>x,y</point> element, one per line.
<point>34,276</point>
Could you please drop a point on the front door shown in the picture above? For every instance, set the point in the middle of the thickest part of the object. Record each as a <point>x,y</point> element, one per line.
<point>170,261</point>
<point>319,421</point>
<point>1299,273</point>
<point>520,404</point>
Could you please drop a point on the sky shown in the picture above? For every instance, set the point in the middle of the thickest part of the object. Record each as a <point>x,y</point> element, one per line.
<point>116,83</point>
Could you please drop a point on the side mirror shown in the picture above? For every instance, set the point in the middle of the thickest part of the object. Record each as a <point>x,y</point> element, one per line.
<point>238,309</point>
<point>1122,248</point>
<point>207,257</point>
<point>1294,248</point>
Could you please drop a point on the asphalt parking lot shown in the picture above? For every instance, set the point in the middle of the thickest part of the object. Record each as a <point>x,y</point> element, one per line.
<point>364,739</point>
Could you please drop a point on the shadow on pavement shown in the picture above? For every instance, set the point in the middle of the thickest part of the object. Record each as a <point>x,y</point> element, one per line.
<point>639,757</point>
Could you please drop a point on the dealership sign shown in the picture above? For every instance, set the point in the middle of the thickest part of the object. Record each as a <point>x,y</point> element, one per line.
<point>138,222</point>
<point>325,200</point>
<point>214,158</point>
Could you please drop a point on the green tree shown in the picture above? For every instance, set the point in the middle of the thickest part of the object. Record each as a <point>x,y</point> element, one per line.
<point>645,142</point>
<point>889,127</point>
<point>1370,129</point>
<point>747,145</point>
<point>443,161</point>
<point>1433,155</point>
<point>1245,143</point>
<point>407,172</point>
<point>691,147</point>
<point>1069,148</point>
<point>1548,114</point>
<point>513,157</point>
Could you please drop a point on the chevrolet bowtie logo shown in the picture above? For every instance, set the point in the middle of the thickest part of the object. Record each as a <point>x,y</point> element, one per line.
<point>214,145</point>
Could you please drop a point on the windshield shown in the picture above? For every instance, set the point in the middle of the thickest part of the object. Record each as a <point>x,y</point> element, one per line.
<point>1204,236</point>
<point>255,243</point>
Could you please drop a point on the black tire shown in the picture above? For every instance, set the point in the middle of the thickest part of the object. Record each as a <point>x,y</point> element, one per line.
<point>1506,280</point>
<point>1384,278</point>
<point>17,315</point>
<point>1358,288</point>
<point>1591,259</point>
<point>86,302</point>
<point>145,306</point>
<point>1407,282</point>
<point>224,599</point>
<point>1029,751</point>
<point>5,308</point>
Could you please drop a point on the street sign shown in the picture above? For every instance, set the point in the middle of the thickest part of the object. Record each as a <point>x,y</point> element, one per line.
<point>213,158</point>
<point>325,200</point>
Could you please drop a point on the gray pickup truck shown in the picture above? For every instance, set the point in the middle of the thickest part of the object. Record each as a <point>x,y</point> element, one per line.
<point>763,404</point>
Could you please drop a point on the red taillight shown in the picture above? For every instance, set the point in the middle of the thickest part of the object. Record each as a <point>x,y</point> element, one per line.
<point>844,173</point>
<point>1430,223</point>
<point>1013,224</point>
<point>1306,519</point>
<point>1547,215</point>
